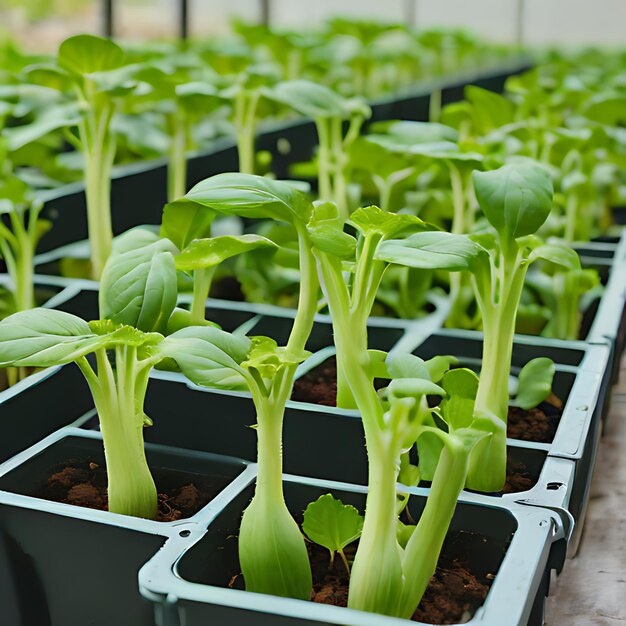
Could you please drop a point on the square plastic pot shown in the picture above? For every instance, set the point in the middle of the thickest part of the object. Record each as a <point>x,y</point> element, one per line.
<point>187,580</point>
<point>72,566</point>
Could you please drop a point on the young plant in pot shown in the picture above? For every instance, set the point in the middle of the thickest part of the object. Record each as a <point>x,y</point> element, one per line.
<point>272,551</point>
<point>94,71</point>
<point>137,297</point>
<point>390,575</point>
<point>516,199</point>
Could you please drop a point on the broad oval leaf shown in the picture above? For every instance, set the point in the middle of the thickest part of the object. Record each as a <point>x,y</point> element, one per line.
<point>331,523</point>
<point>139,285</point>
<point>558,254</point>
<point>308,98</point>
<point>252,196</point>
<point>516,198</point>
<point>457,408</point>
<point>534,383</point>
<point>373,219</point>
<point>206,253</point>
<point>182,222</point>
<point>433,250</point>
<point>45,337</point>
<point>208,356</point>
<point>412,132</point>
<point>85,54</point>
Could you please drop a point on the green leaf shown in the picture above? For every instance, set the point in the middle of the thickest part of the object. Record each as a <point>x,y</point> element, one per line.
<point>45,337</point>
<point>410,132</point>
<point>405,365</point>
<point>85,54</point>
<point>534,383</point>
<point>268,358</point>
<point>373,219</point>
<point>308,98</point>
<point>433,250</point>
<point>439,365</point>
<point>208,356</point>
<point>607,109</point>
<point>206,253</point>
<point>490,110</point>
<point>332,524</point>
<point>558,254</point>
<point>457,408</point>
<point>516,198</point>
<point>326,232</point>
<point>51,119</point>
<point>252,196</point>
<point>182,222</point>
<point>139,285</point>
<point>414,388</point>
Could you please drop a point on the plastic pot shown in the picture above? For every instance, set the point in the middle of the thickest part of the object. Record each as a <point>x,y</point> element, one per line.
<point>187,579</point>
<point>82,564</point>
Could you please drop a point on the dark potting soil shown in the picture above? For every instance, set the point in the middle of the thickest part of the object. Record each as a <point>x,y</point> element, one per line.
<point>455,592</point>
<point>319,386</point>
<point>83,482</point>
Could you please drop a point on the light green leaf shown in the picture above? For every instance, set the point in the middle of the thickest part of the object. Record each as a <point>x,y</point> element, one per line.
<point>490,110</point>
<point>206,253</point>
<point>208,356</point>
<point>516,198</point>
<point>373,219</point>
<point>308,98</point>
<point>414,388</point>
<point>439,365</point>
<point>433,250</point>
<point>558,254</point>
<point>410,132</point>
<point>534,383</point>
<point>85,54</point>
<point>332,524</point>
<point>268,358</point>
<point>139,285</point>
<point>457,408</point>
<point>54,118</point>
<point>182,222</point>
<point>405,365</point>
<point>45,337</point>
<point>251,196</point>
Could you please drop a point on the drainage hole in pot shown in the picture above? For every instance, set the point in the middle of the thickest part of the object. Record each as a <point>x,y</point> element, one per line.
<point>184,533</point>
<point>554,486</point>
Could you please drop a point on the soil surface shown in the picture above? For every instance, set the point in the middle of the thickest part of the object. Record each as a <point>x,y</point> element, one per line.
<point>454,593</point>
<point>84,483</point>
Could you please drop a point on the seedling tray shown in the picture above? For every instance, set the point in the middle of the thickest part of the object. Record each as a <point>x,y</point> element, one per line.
<point>78,566</point>
<point>187,579</point>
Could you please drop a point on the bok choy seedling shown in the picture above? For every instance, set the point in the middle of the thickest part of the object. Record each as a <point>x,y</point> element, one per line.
<point>272,552</point>
<point>329,110</point>
<point>138,293</point>
<point>93,69</point>
<point>516,200</point>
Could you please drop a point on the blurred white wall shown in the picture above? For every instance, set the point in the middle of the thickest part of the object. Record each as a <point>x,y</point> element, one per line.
<point>545,21</point>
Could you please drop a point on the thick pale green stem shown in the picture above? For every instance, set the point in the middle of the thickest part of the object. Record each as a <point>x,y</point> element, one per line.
<point>376,577</point>
<point>272,551</point>
<point>118,397</point>
<point>245,115</point>
<point>202,279</point>
<point>488,460</point>
<point>434,106</point>
<point>177,161</point>
<point>324,183</point>
<point>571,217</point>
<point>339,158</point>
<point>422,551</point>
<point>99,152</point>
